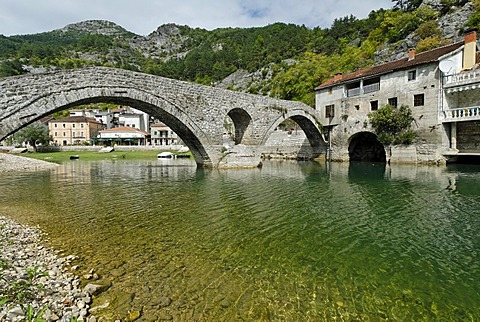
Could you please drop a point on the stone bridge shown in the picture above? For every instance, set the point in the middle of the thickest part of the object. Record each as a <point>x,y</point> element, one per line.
<point>195,112</point>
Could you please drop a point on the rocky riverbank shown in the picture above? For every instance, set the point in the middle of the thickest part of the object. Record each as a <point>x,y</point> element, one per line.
<point>9,162</point>
<point>35,282</point>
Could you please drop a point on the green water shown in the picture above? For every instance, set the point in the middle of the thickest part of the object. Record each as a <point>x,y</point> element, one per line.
<point>288,242</point>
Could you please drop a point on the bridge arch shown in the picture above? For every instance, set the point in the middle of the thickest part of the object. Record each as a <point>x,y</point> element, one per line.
<point>308,123</point>
<point>364,146</point>
<point>156,106</point>
<point>242,124</point>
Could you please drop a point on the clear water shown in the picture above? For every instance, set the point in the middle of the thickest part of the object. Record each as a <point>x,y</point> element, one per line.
<point>288,242</point>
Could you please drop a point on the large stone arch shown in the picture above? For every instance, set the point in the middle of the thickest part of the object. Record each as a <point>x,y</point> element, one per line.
<point>171,115</point>
<point>364,146</point>
<point>308,123</point>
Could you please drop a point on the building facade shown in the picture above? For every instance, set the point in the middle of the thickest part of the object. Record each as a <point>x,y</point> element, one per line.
<point>123,136</point>
<point>163,135</point>
<point>436,85</point>
<point>73,130</point>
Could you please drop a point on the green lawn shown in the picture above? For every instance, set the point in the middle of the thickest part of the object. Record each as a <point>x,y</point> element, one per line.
<point>59,157</point>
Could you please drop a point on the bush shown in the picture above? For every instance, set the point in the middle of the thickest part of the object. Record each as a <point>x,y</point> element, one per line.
<point>392,125</point>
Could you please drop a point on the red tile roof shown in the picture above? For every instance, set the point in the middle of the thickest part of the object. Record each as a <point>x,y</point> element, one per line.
<point>76,119</point>
<point>421,58</point>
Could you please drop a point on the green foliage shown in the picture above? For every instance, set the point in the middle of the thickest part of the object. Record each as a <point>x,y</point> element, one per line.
<point>431,43</point>
<point>11,68</point>
<point>428,29</point>
<point>407,5</point>
<point>393,125</point>
<point>35,133</point>
<point>22,290</point>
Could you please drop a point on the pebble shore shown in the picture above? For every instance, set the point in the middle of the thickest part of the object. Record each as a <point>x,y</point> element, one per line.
<point>9,162</point>
<point>54,293</point>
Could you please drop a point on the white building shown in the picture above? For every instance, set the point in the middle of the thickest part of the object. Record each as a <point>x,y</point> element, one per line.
<point>442,88</point>
<point>123,136</point>
<point>163,135</point>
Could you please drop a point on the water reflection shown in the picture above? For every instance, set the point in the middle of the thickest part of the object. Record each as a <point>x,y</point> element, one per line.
<point>290,241</point>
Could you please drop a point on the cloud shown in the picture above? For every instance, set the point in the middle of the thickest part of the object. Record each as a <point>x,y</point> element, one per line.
<point>144,16</point>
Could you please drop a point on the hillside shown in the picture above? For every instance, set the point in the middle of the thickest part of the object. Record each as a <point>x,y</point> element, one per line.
<point>281,60</point>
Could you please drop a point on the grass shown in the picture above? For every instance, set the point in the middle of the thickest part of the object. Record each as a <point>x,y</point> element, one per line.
<point>64,156</point>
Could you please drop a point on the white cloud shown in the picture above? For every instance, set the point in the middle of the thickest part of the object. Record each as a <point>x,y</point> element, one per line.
<point>144,16</point>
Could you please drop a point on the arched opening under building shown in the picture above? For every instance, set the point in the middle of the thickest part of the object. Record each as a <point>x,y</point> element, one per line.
<point>364,146</point>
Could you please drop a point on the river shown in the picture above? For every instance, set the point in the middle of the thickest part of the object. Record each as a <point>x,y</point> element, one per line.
<point>292,241</point>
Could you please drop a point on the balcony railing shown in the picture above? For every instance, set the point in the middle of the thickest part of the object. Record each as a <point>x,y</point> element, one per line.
<point>353,92</point>
<point>364,90</point>
<point>462,78</point>
<point>463,114</point>
<point>371,88</point>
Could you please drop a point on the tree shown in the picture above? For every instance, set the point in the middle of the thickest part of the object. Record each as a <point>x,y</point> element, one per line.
<point>393,125</point>
<point>33,134</point>
<point>407,5</point>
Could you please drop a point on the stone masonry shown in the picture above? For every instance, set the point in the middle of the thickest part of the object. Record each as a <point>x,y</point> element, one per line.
<point>195,112</point>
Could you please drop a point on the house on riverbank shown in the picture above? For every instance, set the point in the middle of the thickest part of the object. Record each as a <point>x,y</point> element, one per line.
<point>441,86</point>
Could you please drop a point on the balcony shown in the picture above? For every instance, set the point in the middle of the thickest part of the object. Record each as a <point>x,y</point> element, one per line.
<point>462,81</point>
<point>363,87</point>
<point>462,114</point>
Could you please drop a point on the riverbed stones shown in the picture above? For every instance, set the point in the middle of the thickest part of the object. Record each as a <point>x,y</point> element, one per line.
<point>55,290</point>
<point>10,163</point>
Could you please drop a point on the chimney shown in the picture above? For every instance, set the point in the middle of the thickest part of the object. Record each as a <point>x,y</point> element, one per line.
<point>337,77</point>
<point>411,54</point>
<point>470,50</point>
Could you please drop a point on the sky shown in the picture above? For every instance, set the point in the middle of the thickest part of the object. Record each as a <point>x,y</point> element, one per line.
<point>18,17</point>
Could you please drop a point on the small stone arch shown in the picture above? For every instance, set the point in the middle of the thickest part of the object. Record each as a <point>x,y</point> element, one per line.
<point>364,146</point>
<point>241,125</point>
<point>311,127</point>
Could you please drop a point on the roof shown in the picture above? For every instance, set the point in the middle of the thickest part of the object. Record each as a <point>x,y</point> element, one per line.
<point>158,125</point>
<point>76,119</point>
<point>404,63</point>
<point>124,129</point>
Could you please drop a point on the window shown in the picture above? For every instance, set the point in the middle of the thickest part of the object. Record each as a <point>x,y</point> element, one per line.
<point>55,134</point>
<point>64,134</point>
<point>357,107</point>
<point>330,111</point>
<point>63,125</point>
<point>419,100</point>
<point>330,91</point>
<point>56,125</point>
<point>374,105</point>
<point>73,125</point>
<point>81,125</point>
<point>412,75</point>
<point>393,102</point>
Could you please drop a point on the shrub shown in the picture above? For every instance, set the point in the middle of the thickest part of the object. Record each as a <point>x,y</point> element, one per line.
<point>392,125</point>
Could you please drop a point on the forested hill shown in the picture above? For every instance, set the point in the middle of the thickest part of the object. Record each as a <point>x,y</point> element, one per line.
<point>282,60</point>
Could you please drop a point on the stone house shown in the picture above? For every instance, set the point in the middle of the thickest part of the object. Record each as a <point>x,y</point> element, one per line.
<point>163,135</point>
<point>73,130</point>
<point>441,86</point>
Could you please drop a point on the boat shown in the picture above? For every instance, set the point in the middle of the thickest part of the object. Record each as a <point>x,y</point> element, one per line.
<point>74,157</point>
<point>166,155</point>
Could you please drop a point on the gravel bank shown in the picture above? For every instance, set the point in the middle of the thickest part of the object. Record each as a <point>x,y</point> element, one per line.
<point>9,162</point>
<point>34,277</point>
